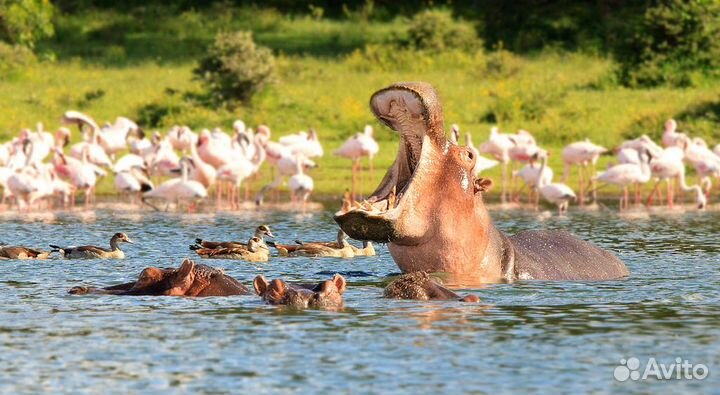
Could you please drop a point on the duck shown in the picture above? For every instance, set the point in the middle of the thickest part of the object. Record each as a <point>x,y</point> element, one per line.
<point>260,232</point>
<point>90,252</point>
<point>18,252</point>
<point>253,251</point>
<point>339,248</point>
<point>367,249</point>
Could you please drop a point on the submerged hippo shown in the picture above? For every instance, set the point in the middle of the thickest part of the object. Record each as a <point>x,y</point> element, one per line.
<point>187,280</point>
<point>326,294</point>
<point>420,286</point>
<point>429,208</point>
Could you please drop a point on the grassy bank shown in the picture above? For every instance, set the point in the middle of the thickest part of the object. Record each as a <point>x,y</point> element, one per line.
<point>109,64</point>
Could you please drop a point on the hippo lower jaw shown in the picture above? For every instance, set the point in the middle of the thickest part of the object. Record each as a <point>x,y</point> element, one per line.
<point>376,219</point>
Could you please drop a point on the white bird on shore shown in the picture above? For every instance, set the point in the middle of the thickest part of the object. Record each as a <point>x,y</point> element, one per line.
<point>556,193</point>
<point>178,189</point>
<point>627,174</point>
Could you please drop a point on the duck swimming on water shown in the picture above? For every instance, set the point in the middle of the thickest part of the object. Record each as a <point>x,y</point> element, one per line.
<point>252,252</point>
<point>91,252</point>
<point>339,248</point>
<point>260,233</point>
<point>18,252</point>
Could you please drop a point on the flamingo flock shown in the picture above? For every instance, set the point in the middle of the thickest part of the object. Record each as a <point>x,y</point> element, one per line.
<point>639,161</point>
<point>40,169</point>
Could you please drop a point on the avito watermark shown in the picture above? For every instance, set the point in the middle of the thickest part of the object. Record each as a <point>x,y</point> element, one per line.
<point>681,369</point>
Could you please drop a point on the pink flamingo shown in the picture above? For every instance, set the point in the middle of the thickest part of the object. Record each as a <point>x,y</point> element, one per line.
<point>628,174</point>
<point>355,148</point>
<point>668,167</point>
<point>670,137</point>
<point>498,145</point>
<point>582,154</point>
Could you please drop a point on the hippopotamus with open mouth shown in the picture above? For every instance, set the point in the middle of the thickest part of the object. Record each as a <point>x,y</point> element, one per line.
<point>429,208</point>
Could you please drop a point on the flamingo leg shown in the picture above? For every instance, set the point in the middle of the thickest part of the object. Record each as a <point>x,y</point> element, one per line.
<point>581,176</point>
<point>361,176</point>
<point>652,194</point>
<point>354,180</point>
<point>504,183</point>
<point>626,196</point>
<point>593,180</point>
<point>670,193</point>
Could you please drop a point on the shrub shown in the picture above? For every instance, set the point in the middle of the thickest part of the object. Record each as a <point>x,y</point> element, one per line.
<point>235,68</point>
<point>436,30</point>
<point>502,64</point>
<point>676,43</point>
<point>13,59</point>
<point>24,22</point>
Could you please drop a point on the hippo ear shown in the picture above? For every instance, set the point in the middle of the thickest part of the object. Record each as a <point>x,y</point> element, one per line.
<point>340,283</point>
<point>482,185</point>
<point>186,268</point>
<point>260,283</point>
<point>183,279</point>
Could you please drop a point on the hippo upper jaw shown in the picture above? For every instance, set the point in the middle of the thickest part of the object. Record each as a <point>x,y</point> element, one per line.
<point>390,214</point>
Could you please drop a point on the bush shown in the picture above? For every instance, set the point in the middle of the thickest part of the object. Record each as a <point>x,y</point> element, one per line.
<point>437,31</point>
<point>235,68</point>
<point>676,43</point>
<point>502,64</point>
<point>14,59</point>
<point>24,22</point>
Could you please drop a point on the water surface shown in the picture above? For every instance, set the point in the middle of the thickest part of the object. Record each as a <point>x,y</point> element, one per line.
<point>522,337</point>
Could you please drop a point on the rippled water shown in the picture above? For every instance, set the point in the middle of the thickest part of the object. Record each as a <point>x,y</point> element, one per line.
<point>528,336</point>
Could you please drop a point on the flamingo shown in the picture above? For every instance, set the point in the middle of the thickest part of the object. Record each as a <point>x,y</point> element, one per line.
<point>628,156</point>
<point>273,150</point>
<point>582,154</point>
<point>498,145</point>
<point>306,143</point>
<point>556,193</point>
<point>141,146</point>
<point>201,172</point>
<point>178,189</point>
<point>643,143</point>
<point>628,174</point>
<point>668,167</point>
<point>355,148</point>
<point>164,160</point>
<point>530,173</point>
<point>287,166</point>
<point>240,170</point>
<point>300,184</point>
<point>81,174</point>
<point>670,137</point>
<point>132,181</point>
<point>113,137</point>
<point>182,138</point>
<point>215,150</point>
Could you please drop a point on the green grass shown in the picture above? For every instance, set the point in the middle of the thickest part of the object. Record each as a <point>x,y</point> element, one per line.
<point>109,64</point>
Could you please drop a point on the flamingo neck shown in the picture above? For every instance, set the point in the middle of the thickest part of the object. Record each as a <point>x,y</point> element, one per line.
<point>540,182</point>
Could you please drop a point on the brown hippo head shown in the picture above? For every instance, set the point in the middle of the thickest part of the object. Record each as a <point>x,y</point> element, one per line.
<point>187,280</point>
<point>326,294</point>
<point>429,197</point>
<point>420,286</point>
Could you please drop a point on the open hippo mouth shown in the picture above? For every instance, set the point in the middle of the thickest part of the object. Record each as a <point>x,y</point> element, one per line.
<point>411,109</point>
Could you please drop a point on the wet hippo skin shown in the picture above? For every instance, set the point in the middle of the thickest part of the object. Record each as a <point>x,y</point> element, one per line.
<point>429,209</point>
